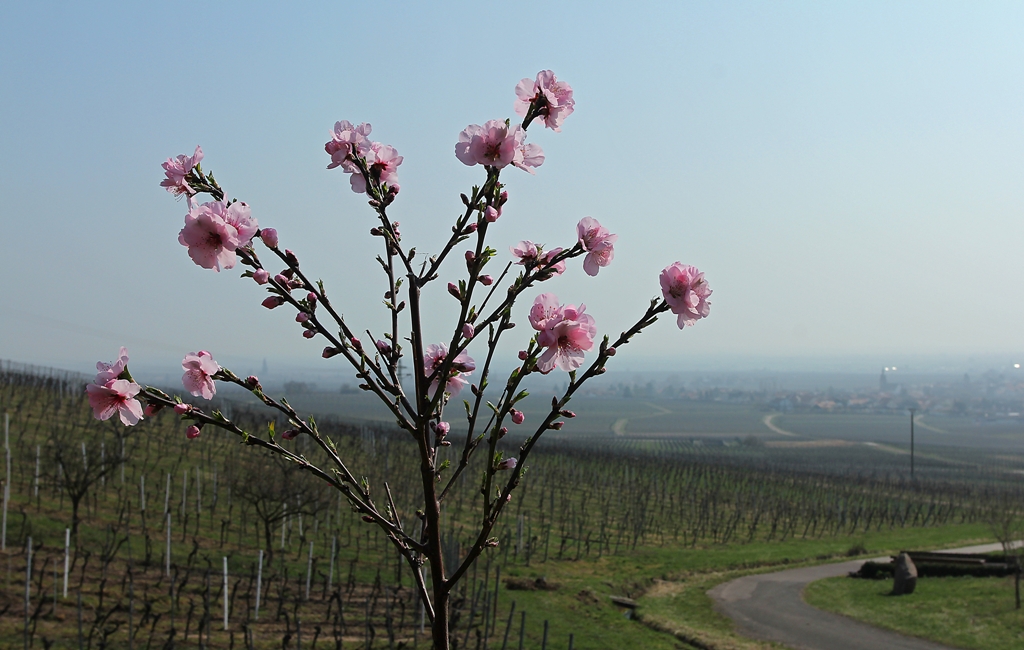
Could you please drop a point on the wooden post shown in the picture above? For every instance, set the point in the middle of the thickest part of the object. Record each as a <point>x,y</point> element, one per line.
<point>28,588</point>
<point>67,558</point>
<point>309,568</point>
<point>142,493</point>
<point>35,483</point>
<point>167,494</point>
<point>330,577</point>
<point>7,482</point>
<point>225,593</point>
<point>168,561</point>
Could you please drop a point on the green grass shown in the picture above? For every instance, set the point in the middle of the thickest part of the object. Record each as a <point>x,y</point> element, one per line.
<point>964,612</point>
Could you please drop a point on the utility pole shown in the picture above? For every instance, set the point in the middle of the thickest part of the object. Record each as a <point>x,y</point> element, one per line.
<point>912,442</point>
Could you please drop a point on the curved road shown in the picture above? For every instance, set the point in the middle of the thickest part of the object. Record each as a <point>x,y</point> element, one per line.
<point>770,607</point>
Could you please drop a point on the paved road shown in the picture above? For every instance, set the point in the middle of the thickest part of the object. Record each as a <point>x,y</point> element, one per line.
<point>770,607</point>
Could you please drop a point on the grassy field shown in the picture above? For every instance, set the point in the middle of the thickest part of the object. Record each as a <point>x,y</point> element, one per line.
<point>975,613</point>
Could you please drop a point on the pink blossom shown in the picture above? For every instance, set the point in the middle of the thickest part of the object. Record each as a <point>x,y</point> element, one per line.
<point>269,237</point>
<point>346,139</point>
<point>273,302</point>
<point>115,396</point>
<point>442,428</point>
<point>686,292</point>
<point>109,371</point>
<point>517,416</point>
<point>493,144</point>
<point>491,214</point>
<point>290,434</point>
<point>526,251</point>
<point>468,331</point>
<point>565,331</point>
<point>552,98</point>
<point>177,169</point>
<point>462,366</point>
<point>199,369</point>
<point>152,409</point>
<point>545,312</point>
<point>486,280</point>
<point>214,230</point>
<point>558,267</point>
<point>598,243</point>
<point>528,157</point>
<point>508,463</point>
<point>309,334</point>
<point>192,432</point>
<point>182,409</point>
<point>261,276</point>
<point>382,161</point>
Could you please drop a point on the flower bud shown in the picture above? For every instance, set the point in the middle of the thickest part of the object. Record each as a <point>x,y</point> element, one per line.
<point>182,409</point>
<point>330,352</point>
<point>192,432</point>
<point>502,431</point>
<point>356,343</point>
<point>470,257</point>
<point>442,428</point>
<point>376,232</point>
<point>503,198</point>
<point>384,347</point>
<point>282,280</point>
<point>309,333</point>
<point>152,409</point>
<point>301,317</point>
<point>290,434</point>
<point>368,519</point>
<point>610,352</point>
<point>311,299</point>
<point>492,542</point>
<point>252,381</point>
<point>517,416</point>
<point>290,258</point>
<point>468,331</point>
<point>508,463</point>
<point>523,355</point>
<point>566,413</point>
<point>556,425</point>
<point>454,290</point>
<point>486,280</point>
<point>491,215</point>
<point>261,276</point>
<point>470,228</point>
<point>445,443</point>
<point>273,302</point>
<point>269,237</point>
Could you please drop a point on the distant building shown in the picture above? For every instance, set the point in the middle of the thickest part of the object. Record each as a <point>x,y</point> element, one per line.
<point>883,382</point>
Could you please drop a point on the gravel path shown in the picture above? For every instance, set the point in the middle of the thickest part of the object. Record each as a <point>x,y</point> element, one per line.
<point>770,607</point>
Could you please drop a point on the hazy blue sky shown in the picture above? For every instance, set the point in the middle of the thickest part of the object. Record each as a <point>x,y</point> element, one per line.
<point>848,175</point>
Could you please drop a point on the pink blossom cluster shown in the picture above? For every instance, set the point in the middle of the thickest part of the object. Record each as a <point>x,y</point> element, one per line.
<point>349,142</point>
<point>686,292</point>
<point>565,331</point>
<point>598,242</point>
<point>199,370</point>
<point>109,394</point>
<point>497,145</point>
<point>551,98</point>
<point>530,255</point>
<point>462,365</point>
<point>214,230</point>
<point>177,170</point>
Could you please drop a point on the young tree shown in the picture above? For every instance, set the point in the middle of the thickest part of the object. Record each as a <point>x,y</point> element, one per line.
<point>220,234</point>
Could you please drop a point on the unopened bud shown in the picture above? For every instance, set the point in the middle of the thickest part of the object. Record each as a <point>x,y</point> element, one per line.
<point>290,258</point>
<point>311,299</point>
<point>330,352</point>
<point>502,431</point>
<point>182,409</point>
<point>517,416</point>
<point>384,347</point>
<point>610,352</point>
<point>368,519</point>
<point>301,317</point>
<point>356,343</point>
<point>454,290</point>
<point>470,257</point>
<point>442,429</point>
<point>262,276</point>
<point>508,463</point>
<point>309,333</point>
<point>556,425</point>
<point>252,381</point>
<point>273,302</point>
<point>376,232</point>
<point>282,280</point>
<point>192,432</point>
<point>468,331</point>
<point>290,434</point>
<point>491,215</point>
<point>269,237</point>
<point>470,228</point>
<point>566,413</point>
<point>486,280</point>
<point>523,355</point>
<point>152,409</point>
